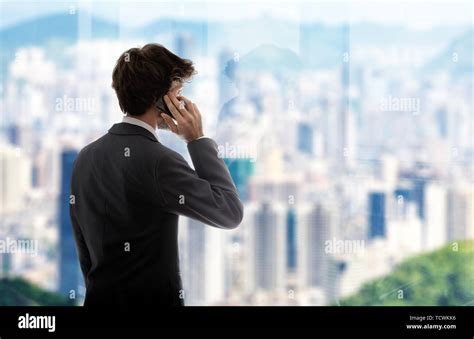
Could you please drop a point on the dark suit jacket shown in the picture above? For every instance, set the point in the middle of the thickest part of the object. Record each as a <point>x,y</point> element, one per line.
<point>128,191</point>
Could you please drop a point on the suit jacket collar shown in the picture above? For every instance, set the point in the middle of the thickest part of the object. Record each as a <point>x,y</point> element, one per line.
<point>124,128</point>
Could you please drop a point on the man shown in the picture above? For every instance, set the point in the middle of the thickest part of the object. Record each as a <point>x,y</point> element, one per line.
<point>127,189</point>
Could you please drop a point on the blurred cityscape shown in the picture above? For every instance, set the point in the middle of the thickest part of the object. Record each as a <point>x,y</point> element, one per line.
<point>350,144</point>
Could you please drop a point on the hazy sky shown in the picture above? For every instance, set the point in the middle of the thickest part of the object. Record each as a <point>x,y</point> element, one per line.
<point>415,13</point>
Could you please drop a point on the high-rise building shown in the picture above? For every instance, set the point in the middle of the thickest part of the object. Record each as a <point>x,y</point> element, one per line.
<point>267,246</point>
<point>404,232</point>
<point>419,195</point>
<point>316,227</point>
<point>377,215</point>
<point>241,169</point>
<point>305,138</point>
<point>291,240</point>
<point>13,133</point>
<point>403,197</point>
<point>69,270</point>
<point>203,258</point>
<point>345,134</point>
<point>387,170</point>
<point>460,212</point>
<point>434,230</point>
<point>332,288</point>
<point>192,253</point>
<point>15,178</point>
<point>441,116</point>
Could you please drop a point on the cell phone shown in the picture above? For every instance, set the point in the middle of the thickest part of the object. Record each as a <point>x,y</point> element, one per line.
<point>162,107</point>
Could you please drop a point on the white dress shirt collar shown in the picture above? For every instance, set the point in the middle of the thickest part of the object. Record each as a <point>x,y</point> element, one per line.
<point>137,122</point>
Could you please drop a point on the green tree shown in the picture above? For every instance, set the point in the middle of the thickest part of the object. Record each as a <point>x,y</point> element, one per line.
<point>19,292</point>
<point>440,278</point>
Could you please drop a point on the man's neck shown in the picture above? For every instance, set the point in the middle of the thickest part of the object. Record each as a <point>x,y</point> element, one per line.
<point>147,118</point>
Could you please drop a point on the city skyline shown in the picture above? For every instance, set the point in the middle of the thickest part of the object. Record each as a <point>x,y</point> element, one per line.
<point>349,152</point>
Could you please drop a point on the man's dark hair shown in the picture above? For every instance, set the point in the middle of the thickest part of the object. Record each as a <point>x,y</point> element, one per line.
<point>143,75</point>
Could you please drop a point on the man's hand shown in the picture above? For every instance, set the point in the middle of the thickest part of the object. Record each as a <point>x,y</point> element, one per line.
<point>188,118</point>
